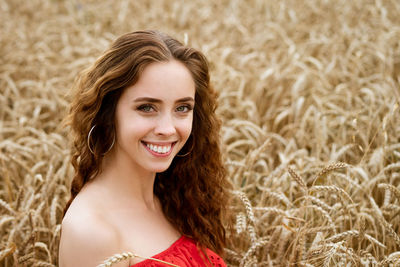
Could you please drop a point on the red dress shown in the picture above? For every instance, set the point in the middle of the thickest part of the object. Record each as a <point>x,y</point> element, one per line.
<point>183,253</point>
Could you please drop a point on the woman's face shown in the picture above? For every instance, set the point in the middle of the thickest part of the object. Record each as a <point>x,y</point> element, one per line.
<point>154,116</point>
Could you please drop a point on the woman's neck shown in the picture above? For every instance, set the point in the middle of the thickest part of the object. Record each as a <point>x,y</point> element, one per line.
<point>128,182</point>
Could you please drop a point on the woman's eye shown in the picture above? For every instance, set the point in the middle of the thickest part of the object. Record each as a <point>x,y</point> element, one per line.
<point>184,109</point>
<point>146,108</point>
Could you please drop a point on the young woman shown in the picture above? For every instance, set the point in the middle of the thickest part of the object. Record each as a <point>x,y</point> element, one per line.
<point>149,178</point>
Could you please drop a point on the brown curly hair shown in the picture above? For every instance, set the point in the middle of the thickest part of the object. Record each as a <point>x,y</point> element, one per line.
<point>193,190</point>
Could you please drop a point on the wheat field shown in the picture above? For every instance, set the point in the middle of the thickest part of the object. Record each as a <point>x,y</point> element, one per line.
<point>309,99</point>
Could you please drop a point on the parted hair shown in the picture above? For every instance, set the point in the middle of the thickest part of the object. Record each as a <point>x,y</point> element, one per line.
<point>193,190</point>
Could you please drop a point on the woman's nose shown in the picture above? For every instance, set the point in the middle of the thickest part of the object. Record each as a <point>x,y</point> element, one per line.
<point>165,125</point>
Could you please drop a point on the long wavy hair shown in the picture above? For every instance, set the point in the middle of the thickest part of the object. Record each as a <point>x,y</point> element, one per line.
<point>193,190</point>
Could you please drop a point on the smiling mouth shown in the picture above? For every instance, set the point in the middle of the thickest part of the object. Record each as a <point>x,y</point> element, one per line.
<point>159,149</point>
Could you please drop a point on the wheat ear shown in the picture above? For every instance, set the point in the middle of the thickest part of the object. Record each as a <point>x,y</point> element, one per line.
<point>6,206</point>
<point>391,188</point>
<point>250,252</point>
<point>353,233</point>
<point>392,258</point>
<point>297,178</point>
<point>332,189</point>
<point>382,220</point>
<point>127,255</point>
<point>10,249</point>
<point>330,167</point>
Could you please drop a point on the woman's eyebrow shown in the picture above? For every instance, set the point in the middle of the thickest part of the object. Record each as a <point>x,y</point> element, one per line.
<point>147,99</point>
<point>185,99</point>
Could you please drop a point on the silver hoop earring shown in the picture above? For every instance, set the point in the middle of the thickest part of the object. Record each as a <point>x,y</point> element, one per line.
<point>88,142</point>
<point>187,153</point>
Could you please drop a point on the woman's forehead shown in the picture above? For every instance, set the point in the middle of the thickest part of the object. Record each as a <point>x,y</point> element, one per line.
<point>163,80</point>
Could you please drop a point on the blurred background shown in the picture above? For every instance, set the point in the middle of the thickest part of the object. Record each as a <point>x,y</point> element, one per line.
<point>309,99</point>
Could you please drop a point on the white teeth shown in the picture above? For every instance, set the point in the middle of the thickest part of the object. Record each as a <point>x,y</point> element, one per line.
<point>159,149</point>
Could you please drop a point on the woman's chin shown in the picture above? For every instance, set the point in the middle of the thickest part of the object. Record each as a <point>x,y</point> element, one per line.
<point>159,169</point>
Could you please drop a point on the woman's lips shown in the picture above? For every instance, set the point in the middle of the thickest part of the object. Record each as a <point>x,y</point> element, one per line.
<point>159,149</point>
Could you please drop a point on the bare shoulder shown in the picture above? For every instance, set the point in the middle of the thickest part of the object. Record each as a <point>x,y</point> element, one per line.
<point>86,238</point>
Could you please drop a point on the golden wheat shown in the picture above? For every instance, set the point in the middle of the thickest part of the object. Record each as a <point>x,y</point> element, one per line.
<point>309,99</point>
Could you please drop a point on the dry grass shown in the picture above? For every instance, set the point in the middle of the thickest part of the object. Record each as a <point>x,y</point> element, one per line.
<point>309,96</point>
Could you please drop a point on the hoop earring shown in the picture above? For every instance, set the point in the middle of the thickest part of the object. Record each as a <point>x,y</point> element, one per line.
<point>187,153</point>
<point>88,142</point>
